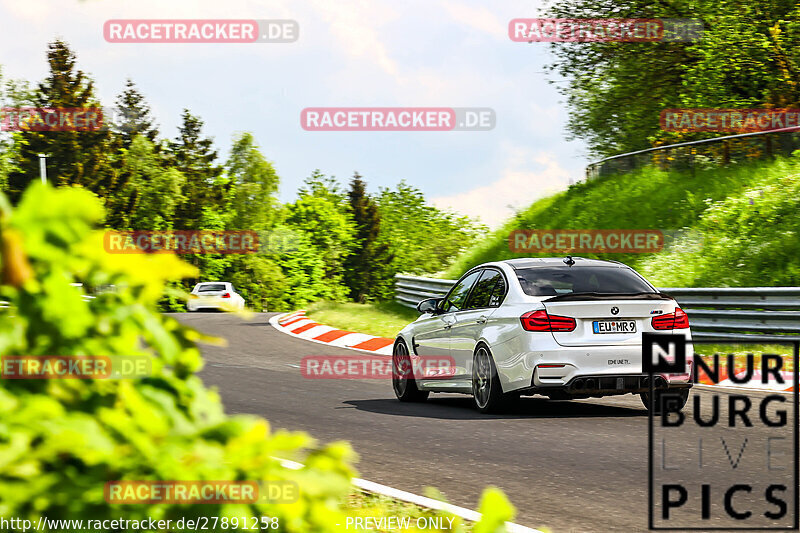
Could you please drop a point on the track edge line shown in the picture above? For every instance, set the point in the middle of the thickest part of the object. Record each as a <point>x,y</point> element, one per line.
<point>422,501</point>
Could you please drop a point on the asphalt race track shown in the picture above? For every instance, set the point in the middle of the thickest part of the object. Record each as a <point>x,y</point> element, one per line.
<point>566,465</point>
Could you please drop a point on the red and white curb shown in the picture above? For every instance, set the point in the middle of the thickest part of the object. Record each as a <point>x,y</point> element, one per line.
<point>299,325</point>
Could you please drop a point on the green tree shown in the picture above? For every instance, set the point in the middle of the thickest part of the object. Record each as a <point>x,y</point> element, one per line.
<point>153,193</point>
<point>424,239</point>
<point>194,156</point>
<point>368,273</point>
<point>17,93</point>
<point>134,116</point>
<point>13,94</point>
<point>253,186</point>
<point>305,272</point>
<point>748,56</point>
<point>83,158</point>
<point>260,281</point>
<point>6,163</point>
<point>322,213</point>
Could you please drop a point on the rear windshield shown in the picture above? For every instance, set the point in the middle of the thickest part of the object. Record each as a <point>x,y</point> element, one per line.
<point>211,287</point>
<point>544,281</point>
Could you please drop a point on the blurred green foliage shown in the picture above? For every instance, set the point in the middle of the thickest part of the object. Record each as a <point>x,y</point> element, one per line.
<point>61,440</point>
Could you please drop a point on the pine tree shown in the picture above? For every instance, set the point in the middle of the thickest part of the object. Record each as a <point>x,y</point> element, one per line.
<point>194,156</point>
<point>134,117</point>
<point>368,269</point>
<point>83,158</point>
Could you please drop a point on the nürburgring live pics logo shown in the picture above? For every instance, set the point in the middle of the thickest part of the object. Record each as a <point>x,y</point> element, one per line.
<point>729,460</point>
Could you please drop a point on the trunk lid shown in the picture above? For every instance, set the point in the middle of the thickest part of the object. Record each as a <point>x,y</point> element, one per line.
<point>607,320</point>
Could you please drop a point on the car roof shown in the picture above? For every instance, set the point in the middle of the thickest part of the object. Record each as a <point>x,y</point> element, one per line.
<point>533,262</point>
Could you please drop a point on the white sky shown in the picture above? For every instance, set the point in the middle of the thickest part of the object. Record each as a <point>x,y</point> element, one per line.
<point>358,53</point>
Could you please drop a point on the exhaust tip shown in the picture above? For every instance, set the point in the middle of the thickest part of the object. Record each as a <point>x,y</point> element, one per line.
<point>590,384</point>
<point>645,382</point>
<point>578,385</point>
<point>660,383</point>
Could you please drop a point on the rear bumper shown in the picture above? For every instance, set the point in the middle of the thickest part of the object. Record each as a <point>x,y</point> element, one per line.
<point>194,306</point>
<point>587,386</point>
<point>537,361</point>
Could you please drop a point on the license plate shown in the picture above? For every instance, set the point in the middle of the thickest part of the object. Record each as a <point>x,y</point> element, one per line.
<point>614,326</point>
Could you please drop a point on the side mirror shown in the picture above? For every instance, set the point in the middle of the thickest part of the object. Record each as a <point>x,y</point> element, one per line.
<point>431,305</point>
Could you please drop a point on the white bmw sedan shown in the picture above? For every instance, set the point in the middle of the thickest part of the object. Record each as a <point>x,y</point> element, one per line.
<point>215,295</point>
<point>565,328</point>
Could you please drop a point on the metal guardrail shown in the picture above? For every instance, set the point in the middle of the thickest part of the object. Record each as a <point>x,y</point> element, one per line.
<point>761,314</point>
<point>716,151</point>
<point>749,313</point>
<point>410,290</point>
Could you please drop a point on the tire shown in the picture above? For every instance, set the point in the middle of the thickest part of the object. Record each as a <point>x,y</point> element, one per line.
<point>486,389</point>
<point>679,395</point>
<point>403,383</point>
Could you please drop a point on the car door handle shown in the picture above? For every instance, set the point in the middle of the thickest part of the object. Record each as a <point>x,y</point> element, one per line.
<point>481,319</point>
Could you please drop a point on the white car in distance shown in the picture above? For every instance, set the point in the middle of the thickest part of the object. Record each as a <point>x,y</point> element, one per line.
<point>215,295</point>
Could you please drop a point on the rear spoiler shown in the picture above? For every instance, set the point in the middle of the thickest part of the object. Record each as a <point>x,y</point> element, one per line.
<point>590,296</point>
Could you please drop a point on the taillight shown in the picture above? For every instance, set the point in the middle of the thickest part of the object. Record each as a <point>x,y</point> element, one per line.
<point>226,295</point>
<point>681,319</point>
<point>562,323</point>
<point>541,321</point>
<point>676,320</point>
